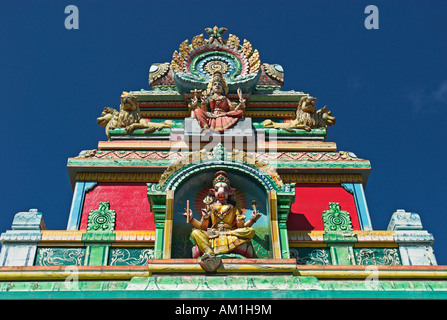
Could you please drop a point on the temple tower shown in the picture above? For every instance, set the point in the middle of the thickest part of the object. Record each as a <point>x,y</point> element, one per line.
<point>211,182</point>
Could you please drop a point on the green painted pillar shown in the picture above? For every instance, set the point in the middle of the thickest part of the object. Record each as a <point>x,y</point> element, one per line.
<point>157,200</point>
<point>99,235</point>
<point>285,197</point>
<point>339,235</point>
<point>97,255</point>
<point>341,247</point>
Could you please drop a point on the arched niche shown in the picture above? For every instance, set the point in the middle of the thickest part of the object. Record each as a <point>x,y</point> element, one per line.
<point>195,188</point>
<point>191,176</point>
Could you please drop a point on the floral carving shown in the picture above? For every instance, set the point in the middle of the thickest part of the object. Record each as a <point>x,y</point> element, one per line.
<point>131,256</point>
<point>377,256</point>
<point>60,257</point>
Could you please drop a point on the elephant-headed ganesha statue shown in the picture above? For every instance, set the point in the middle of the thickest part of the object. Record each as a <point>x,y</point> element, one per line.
<point>222,228</point>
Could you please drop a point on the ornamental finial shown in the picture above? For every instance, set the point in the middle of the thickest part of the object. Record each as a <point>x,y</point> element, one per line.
<point>215,34</point>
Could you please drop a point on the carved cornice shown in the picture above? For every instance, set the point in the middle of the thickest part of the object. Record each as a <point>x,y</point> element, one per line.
<point>118,177</point>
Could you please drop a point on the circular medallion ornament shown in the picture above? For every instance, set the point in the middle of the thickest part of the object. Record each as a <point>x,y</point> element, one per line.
<point>157,70</point>
<point>214,65</point>
<point>275,71</point>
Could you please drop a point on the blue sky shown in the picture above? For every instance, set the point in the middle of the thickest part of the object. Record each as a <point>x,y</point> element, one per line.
<point>387,87</point>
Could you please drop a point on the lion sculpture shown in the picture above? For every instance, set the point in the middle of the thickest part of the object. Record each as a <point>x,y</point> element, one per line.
<point>128,117</point>
<point>307,117</point>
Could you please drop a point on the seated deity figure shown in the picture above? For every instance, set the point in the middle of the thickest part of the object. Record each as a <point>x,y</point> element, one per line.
<point>216,113</point>
<point>222,227</point>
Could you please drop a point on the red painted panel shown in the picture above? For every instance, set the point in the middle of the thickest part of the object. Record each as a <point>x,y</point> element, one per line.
<point>312,199</point>
<point>129,200</point>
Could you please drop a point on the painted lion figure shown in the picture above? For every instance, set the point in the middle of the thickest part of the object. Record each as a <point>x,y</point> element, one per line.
<point>307,117</point>
<point>128,117</point>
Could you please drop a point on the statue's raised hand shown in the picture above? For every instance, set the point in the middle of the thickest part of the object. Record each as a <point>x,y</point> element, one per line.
<point>188,215</point>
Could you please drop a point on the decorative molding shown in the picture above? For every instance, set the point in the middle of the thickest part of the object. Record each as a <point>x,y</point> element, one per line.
<point>377,256</point>
<point>311,256</point>
<point>60,256</point>
<point>118,176</point>
<point>123,236</point>
<point>130,256</point>
<point>75,237</point>
<point>165,113</point>
<point>413,237</point>
<point>282,105</point>
<point>66,237</point>
<point>219,157</point>
<point>161,104</point>
<point>320,178</point>
<point>375,236</point>
<point>281,156</point>
<point>335,220</point>
<point>270,114</point>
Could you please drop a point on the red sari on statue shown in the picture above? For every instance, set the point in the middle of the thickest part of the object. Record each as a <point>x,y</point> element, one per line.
<point>221,117</point>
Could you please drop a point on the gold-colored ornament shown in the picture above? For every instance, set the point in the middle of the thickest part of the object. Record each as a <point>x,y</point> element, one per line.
<point>177,61</point>
<point>197,41</point>
<point>184,48</point>
<point>216,66</point>
<point>233,41</point>
<point>247,48</point>
<point>160,70</point>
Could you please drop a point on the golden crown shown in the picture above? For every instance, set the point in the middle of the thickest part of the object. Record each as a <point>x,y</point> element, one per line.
<point>218,76</point>
<point>221,177</point>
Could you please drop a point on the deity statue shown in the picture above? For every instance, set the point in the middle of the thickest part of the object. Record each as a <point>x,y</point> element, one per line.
<point>216,112</point>
<point>222,227</point>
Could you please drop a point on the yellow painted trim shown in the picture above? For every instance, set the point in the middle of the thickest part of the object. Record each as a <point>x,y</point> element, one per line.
<point>66,272</point>
<point>165,113</point>
<point>141,244</point>
<point>167,241</point>
<point>368,271</point>
<point>142,145</point>
<point>306,244</point>
<point>175,268</point>
<point>228,266</point>
<point>263,268</point>
<point>364,238</point>
<point>274,227</point>
<point>59,238</point>
<point>304,146</point>
<point>304,235</point>
<point>73,238</point>
<point>270,113</point>
<point>376,245</point>
<point>320,178</point>
<point>134,235</point>
<point>118,176</point>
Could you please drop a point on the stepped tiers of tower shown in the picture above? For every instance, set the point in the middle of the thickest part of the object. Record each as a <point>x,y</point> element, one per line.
<point>215,183</point>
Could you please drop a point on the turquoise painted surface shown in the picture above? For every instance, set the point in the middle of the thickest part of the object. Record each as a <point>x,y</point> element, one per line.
<point>130,256</point>
<point>246,287</point>
<point>311,256</point>
<point>377,256</point>
<point>77,204</point>
<point>60,256</point>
